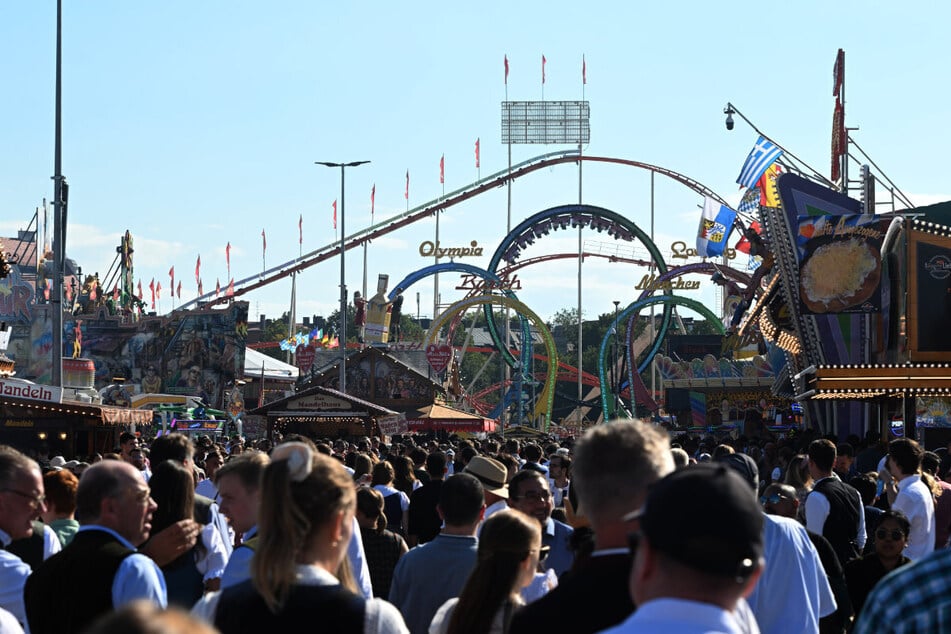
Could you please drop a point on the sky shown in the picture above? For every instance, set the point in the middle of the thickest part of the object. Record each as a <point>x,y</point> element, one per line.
<point>197,124</point>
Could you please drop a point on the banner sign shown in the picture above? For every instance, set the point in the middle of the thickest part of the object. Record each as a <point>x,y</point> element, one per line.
<point>840,264</point>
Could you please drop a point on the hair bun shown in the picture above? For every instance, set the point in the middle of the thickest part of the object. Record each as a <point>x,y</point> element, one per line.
<point>299,458</point>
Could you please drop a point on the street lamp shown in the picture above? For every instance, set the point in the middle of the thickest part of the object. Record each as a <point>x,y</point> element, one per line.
<point>343,283</point>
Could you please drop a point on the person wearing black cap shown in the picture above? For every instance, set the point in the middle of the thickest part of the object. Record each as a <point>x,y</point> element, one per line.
<point>690,573</point>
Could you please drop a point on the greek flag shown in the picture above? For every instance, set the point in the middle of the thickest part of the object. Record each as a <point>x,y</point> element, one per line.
<point>763,154</point>
<point>715,226</point>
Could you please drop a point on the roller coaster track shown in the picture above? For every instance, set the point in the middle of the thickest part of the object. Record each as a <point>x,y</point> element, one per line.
<point>431,208</point>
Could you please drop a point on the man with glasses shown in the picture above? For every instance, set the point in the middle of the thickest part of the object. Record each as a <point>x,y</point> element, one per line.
<point>100,570</point>
<point>21,501</point>
<point>529,493</point>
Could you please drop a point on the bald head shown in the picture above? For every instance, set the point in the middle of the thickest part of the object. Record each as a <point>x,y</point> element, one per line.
<point>113,494</point>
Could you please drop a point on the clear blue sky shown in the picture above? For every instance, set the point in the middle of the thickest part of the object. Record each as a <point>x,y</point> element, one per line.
<point>193,124</point>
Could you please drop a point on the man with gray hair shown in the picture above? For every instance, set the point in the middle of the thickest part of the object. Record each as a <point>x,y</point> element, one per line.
<point>614,466</point>
<point>22,500</point>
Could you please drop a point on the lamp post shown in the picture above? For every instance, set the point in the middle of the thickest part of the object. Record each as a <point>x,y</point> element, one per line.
<point>343,260</point>
<point>617,383</point>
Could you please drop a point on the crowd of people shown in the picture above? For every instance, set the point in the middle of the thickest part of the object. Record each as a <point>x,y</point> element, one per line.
<point>625,529</point>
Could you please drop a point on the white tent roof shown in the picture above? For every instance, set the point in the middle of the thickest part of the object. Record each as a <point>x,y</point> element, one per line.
<point>254,361</point>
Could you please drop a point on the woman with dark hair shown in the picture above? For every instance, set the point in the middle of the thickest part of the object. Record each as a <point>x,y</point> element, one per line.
<point>200,569</point>
<point>383,547</point>
<point>305,525</point>
<point>395,502</point>
<point>510,546</point>
<point>863,573</point>
<point>405,476</point>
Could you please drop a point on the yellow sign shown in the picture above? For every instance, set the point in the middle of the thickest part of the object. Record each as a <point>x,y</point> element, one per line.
<point>428,249</point>
<point>651,283</point>
<point>681,251</point>
<point>18,423</point>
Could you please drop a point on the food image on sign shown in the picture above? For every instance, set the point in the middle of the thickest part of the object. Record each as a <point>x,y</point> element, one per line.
<point>838,275</point>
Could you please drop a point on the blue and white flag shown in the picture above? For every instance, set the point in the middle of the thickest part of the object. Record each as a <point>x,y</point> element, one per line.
<point>763,154</point>
<point>715,226</point>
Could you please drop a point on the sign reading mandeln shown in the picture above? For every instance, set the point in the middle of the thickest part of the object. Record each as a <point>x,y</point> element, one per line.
<point>14,388</point>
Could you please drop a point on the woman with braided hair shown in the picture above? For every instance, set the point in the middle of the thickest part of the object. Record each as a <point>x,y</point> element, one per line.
<point>298,572</point>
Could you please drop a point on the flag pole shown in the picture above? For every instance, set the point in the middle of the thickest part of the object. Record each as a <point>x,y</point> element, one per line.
<point>506,376</point>
<point>580,264</point>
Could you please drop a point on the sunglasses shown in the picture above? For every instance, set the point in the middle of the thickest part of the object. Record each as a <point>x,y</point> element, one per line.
<point>634,541</point>
<point>884,533</point>
<point>534,496</point>
<point>775,498</point>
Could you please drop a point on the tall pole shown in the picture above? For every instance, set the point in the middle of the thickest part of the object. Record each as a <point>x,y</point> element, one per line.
<point>343,286</point>
<point>342,327</point>
<point>59,216</point>
<point>617,384</point>
<point>580,322</point>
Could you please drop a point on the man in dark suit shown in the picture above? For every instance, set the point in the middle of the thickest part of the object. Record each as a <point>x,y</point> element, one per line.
<point>613,467</point>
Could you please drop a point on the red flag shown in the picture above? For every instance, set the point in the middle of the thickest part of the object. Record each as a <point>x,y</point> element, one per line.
<point>201,289</point>
<point>543,69</point>
<point>158,290</point>
<point>171,275</point>
<point>263,242</point>
<point>141,294</point>
<point>217,287</point>
<point>744,244</point>
<point>197,270</point>
<point>442,169</point>
<point>506,70</point>
<point>477,153</point>
<point>179,289</point>
<point>839,139</point>
<point>406,194</point>
<point>230,290</point>
<point>300,229</point>
<point>152,289</point>
<point>584,71</point>
<point>228,257</point>
<point>335,214</point>
<point>838,72</point>
<point>372,201</point>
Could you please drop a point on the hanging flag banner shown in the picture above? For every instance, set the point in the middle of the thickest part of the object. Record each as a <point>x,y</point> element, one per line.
<point>406,193</point>
<point>335,214</point>
<point>228,257</point>
<point>716,223</point>
<point>372,201</point>
<point>584,72</point>
<point>544,61</point>
<point>506,70</point>
<point>477,153</point>
<point>442,169</point>
<point>179,293</point>
<point>763,154</point>
<point>198,270</point>
<point>171,275</point>
<point>300,230</point>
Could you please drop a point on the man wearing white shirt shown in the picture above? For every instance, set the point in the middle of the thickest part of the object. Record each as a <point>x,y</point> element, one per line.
<point>914,498</point>
<point>834,509</point>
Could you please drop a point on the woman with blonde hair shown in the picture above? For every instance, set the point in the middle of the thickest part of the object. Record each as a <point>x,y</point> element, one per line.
<point>510,547</point>
<point>799,478</point>
<point>305,525</point>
